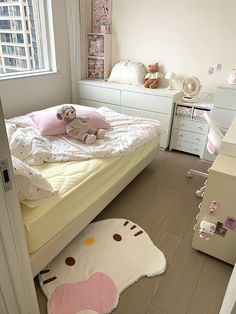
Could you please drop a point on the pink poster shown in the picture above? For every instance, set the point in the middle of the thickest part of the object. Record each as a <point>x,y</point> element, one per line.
<point>102,16</point>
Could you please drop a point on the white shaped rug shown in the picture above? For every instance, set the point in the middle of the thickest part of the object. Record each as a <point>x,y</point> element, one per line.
<point>103,260</point>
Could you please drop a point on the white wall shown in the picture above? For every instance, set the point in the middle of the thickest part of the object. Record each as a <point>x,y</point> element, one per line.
<point>24,95</point>
<point>188,36</point>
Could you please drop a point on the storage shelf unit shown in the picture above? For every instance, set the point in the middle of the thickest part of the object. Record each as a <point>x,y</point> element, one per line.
<point>99,55</point>
<point>189,130</point>
<point>132,100</point>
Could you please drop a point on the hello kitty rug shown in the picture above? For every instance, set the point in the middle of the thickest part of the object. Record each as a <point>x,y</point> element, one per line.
<point>91,272</point>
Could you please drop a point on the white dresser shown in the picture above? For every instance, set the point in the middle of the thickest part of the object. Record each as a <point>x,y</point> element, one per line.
<point>190,129</point>
<point>132,100</point>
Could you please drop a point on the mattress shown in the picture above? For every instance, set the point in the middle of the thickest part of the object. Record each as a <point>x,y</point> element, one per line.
<point>80,184</point>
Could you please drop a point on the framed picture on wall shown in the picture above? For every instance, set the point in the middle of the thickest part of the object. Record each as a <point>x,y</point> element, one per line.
<point>101,16</point>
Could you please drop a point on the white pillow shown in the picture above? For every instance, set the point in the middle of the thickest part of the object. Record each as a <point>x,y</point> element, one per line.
<point>30,184</point>
<point>128,72</point>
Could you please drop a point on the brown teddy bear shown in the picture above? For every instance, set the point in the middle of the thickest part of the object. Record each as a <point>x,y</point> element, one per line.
<point>152,79</point>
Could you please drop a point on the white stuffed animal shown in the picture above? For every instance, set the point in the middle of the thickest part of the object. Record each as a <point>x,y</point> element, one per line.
<point>78,128</point>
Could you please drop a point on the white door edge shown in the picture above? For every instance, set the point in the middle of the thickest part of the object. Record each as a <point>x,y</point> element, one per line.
<point>15,251</point>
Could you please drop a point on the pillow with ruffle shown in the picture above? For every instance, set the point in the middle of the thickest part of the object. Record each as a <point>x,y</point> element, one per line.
<point>128,72</point>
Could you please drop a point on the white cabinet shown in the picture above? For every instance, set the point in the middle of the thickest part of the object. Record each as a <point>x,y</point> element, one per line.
<point>224,110</point>
<point>189,131</point>
<point>132,100</point>
<point>220,190</point>
<point>99,55</point>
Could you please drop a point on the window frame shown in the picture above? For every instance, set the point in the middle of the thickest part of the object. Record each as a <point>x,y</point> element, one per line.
<point>48,45</point>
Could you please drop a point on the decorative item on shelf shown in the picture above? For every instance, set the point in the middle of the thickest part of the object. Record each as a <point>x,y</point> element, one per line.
<point>170,75</point>
<point>191,88</point>
<point>96,69</point>
<point>105,29</point>
<point>152,78</point>
<point>102,18</point>
<point>99,55</point>
<point>207,229</point>
<point>96,45</point>
<point>232,76</point>
<point>128,72</point>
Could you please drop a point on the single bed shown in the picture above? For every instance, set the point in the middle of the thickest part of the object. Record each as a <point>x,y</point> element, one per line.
<point>85,187</point>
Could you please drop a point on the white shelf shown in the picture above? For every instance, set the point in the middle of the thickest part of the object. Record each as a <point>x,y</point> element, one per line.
<point>98,56</point>
<point>189,130</point>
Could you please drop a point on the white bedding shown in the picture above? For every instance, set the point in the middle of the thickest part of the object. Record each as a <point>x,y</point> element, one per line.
<point>127,134</point>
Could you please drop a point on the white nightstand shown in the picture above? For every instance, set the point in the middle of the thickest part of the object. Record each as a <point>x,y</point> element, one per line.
<point>189,130</point>
<point>132,100</point>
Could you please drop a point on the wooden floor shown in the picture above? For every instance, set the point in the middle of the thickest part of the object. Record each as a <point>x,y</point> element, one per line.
<point>162,201</point>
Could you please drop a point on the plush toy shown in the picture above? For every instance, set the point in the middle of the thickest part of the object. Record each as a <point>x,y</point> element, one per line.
<point>78,127</point>
<point>152,79</point>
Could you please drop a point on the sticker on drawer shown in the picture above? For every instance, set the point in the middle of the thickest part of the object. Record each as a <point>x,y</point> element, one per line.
<point>213,207</point>
<point>206,229</point>
<point>220,230</point>
<point>230,223</point>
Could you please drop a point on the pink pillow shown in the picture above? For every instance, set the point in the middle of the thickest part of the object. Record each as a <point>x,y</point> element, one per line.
<point>48,124</point>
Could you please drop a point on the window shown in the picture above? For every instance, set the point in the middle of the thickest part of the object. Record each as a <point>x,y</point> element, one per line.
<point>16,10</point>
<point>4,11</point>
<point>25,40</point>
<point>9,50</point>
<point>5,24</point>
<point>6,38</point>
<point>20,38</point>
<point>16,25</point>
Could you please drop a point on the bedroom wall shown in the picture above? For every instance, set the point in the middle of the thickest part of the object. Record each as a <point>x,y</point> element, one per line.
<point>23,95</point>
<point>185,35</point>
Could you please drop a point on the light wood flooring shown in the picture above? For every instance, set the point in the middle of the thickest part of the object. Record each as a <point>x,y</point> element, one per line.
<point>162,201</point>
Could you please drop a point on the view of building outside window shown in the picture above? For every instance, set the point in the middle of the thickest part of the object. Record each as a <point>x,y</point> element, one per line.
<point>20,36</point>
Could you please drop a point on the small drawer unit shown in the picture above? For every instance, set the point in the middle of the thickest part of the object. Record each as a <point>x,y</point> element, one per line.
<point>189,130</point>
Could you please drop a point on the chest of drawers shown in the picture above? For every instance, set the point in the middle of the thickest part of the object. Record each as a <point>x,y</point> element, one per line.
<point>132,100</point>
<point>189,131</point>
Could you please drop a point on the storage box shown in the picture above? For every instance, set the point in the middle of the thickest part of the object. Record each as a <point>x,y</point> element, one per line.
<point>183,111</point>
<point>198,114</point>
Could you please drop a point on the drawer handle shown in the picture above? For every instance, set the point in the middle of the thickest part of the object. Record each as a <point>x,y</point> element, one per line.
<point>195,148</point>
<point>200,127</point>
<point>200,205</point>
<point>179,145</point>
<point>197,217</point>
<point>197,138</point>
<point>180,135</point>
<point>182,124</point>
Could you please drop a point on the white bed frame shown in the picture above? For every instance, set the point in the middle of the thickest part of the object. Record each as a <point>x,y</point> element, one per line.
<point>47,252</point>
